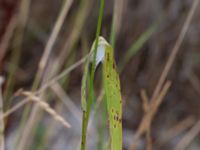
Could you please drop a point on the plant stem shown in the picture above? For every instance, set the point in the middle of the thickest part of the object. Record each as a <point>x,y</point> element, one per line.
<point>86,113</point>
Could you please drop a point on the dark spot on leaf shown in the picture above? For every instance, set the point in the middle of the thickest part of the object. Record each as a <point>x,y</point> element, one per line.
<point>108,57</point>
<point>114,65</point>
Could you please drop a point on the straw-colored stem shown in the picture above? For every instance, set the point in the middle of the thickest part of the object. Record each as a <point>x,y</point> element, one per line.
<point>22,18</point>
<point>47,108</point>
<point>190,135</point>
<point>45,86</point>
<point>2,142</point>
<point>7,37</point>
<point>175,49</point>
<point>42,64</point>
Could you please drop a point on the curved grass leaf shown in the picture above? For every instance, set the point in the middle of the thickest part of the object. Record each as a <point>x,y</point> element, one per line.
<point>111,86</point>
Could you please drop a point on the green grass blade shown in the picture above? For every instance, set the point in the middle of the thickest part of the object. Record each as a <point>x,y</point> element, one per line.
<point>113,98</point>
<point>137,45</point>
<point>111,86</point>
<point>86,106</point>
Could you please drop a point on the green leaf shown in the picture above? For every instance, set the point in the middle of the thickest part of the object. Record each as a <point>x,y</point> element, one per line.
<point>111,86</point>
<point>113,98</point>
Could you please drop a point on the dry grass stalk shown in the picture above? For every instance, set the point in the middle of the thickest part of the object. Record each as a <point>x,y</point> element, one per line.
<point>119,6</point>
<point>47,108</point>
<point>146,107</point>
<point>144,98</point>
<point>189,137</point>
<point>2,141</point>
<point>149,140</point>
<point>75,32</point>
<point>66,100</point>
<point>34,117</point>
<point>177,129</point>
<point>29,128</point>
<point>44,105</point>
<point>32,121</point>
<point>7,37</point>
<point>148,117</point>
<point>175,49</point>
<point>34,114</point>
<point>61,75</point>
<point>17,41</point>
<point>52,125</point>
<point>44,87</point>
<point>57,27</point>
<point>14,108</point>
<point>195,82</point>
<point>156,100</point>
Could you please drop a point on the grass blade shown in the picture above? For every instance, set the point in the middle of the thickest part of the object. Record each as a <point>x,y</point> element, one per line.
<point>111,86</point>
<point>86,110</point>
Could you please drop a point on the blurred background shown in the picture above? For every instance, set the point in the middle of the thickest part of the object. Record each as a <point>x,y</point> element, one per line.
<point>39,39</point>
